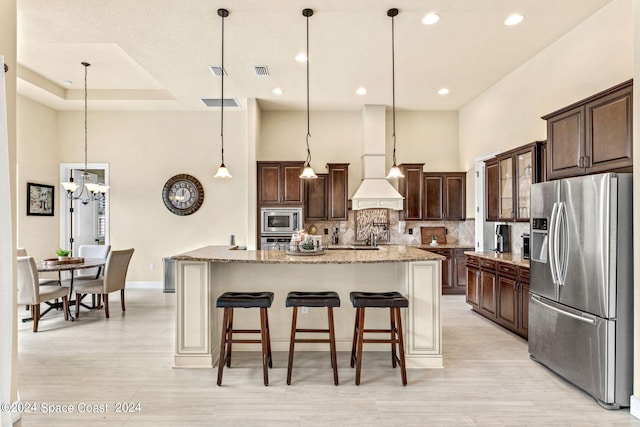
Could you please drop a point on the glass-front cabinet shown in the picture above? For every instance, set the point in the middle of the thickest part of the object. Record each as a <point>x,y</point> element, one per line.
<point>516,170</point>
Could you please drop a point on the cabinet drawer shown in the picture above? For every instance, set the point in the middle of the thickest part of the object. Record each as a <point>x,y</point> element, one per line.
<point>443,252</point>
<point>487,264</point>
<point>523,274</point>
<point>472,261</point>
<point>507,269</point>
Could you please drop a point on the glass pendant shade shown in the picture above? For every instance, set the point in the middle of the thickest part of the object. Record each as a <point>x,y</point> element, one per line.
<point>395,172</point>
<point>308,172</point>
<point>70,186</point>
<point>222,172</point>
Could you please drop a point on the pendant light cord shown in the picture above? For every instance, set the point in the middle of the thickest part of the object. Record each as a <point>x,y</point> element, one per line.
<point>86,106</point>
<point>308,120</point>
<point>222,95</point>
<point>393,83</point>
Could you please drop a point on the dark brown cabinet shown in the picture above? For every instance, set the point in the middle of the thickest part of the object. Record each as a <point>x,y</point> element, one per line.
<point>326,197</point>
<point>454,271</point>
<point>473,281</point>
<point>315,201</point>
<point>410,187</point>
<point>279,183</point>
<point>338,191</point>
<point>508,182</point>
<point>500,292</point>
<point>444,196</point>
<point>593,135</point>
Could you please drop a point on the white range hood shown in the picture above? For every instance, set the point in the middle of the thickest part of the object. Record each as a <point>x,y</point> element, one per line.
<point>374,190</point>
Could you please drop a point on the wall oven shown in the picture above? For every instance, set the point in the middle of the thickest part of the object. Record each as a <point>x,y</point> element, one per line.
<point>280,221</point>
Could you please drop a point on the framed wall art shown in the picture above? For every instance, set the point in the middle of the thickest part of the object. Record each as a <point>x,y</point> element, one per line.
<point>40,199</point>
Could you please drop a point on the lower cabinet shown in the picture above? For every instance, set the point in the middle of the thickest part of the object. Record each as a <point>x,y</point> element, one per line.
<point>454,271</point>
<point>500,292</point>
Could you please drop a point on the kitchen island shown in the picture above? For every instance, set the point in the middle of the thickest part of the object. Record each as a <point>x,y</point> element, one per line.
<point>203,274</point>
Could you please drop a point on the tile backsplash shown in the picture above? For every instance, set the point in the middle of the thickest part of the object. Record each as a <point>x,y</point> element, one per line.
<point>361,223</point>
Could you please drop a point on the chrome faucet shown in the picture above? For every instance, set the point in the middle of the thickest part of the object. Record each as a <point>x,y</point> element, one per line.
<point>374,239</point>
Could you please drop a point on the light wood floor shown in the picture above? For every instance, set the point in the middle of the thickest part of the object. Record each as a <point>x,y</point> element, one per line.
<point>488,379</point>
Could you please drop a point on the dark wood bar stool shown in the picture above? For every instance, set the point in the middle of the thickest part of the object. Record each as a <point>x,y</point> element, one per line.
<point>231,300</point>
<point>329,300</point>
<point>392,300</point>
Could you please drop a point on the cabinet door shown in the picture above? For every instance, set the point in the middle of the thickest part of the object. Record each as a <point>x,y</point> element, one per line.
<point>411,189</point>
<point>433,196</point>
<point>454,197</point>
<point>473,281</point>
<point>492,190</point>
<point>523,176</point>
<point>338,188</point>
<point>488,293</point>
<point>608,132</point>
<point>459,270</point>
<point>291,188</point>
<point>565,144</point>
<point>505,167</point>
<point>268,183</point>
<point>523,302</point>
<point>507,302</point>
<point>316,198</point>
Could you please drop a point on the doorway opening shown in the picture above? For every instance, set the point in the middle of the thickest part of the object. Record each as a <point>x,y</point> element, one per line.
<point>84,223</point>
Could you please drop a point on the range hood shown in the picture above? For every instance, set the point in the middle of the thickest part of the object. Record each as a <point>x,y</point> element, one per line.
<point>374,190</point>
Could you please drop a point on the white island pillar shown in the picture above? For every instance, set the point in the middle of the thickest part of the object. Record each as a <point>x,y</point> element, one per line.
<point>202,275</point>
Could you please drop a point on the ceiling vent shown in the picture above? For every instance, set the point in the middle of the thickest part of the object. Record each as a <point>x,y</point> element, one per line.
<point>216,102</point>
<point>217,70</point>
<point>261,70</point>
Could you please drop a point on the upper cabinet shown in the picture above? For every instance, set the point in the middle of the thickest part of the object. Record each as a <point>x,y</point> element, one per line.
<point>410,187</point>
<point>432,195</point>
<point>593,135</point>
<point>279,183</point>
<point>326,196</point>
<point>444,196</point>
<point>508,182</point>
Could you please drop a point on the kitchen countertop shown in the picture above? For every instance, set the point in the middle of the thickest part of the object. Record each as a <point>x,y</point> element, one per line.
<point>509,258</point>
<point>385,254</point>
<point>445,246</point>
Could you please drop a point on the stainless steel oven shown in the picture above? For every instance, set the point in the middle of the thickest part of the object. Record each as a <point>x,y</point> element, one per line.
<point>275,243</point>
<point>280,221</point>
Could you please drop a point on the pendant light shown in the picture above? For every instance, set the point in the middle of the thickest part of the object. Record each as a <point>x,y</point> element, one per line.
<point>308,172</point>
<point>395,171</point>
<point>95,191</point>
<point>222,172</point>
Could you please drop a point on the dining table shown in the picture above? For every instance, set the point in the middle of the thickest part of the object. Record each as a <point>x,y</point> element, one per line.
<point>70,265</point>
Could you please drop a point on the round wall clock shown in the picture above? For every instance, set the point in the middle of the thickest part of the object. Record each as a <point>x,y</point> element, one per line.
<point>182,194</point>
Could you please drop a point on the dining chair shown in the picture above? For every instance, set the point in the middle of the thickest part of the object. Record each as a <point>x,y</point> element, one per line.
<point>31,293</point>
<point>114,279</point>
<point>21,252</point>
<point>92,251</point>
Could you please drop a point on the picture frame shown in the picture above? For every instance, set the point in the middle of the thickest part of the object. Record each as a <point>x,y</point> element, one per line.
<point>40,199</point>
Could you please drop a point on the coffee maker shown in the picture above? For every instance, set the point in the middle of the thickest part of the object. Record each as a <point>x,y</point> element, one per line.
<point>503,243</point>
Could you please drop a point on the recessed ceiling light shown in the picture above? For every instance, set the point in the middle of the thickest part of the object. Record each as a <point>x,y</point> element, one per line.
<point>277,91</point>
<point>430,18</point>
<point>67,82</point>
<point>443,91</point>
<point>301,57</point>
<point>361,91</point>
<point>514,19</point>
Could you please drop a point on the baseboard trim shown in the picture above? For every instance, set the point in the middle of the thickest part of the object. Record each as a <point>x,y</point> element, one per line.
<point>144,285</point>
<point>635,406</point>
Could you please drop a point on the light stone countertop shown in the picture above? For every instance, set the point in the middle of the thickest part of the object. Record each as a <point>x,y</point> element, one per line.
<point>445,246</point>
<point>385,254</point>
<point>509,258</point>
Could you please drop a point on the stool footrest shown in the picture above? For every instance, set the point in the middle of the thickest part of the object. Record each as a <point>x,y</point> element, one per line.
<point>234,341</point>
<point>310,340</point>
<point>326,331</point>
<point>379,331</point>
<point>380,341</point>
<point>245,331</point>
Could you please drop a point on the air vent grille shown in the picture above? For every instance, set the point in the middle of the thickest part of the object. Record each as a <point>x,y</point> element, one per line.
<point>261,70</point>
<point>217,102</point>
<point>217,70</point>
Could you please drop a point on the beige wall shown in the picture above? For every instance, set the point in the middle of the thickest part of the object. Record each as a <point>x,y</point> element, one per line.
<point>145,149</point>
<point>37,131</point>
<point>594,56</point>
<point>635,403</point>
<point>336,137</point>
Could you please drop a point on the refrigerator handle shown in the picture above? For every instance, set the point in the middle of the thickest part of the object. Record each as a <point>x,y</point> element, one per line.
<point>587,319</point>
<point>563,226</point>
<point>553,244</point>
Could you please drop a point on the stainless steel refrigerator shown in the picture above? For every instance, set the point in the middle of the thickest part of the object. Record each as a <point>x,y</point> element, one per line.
<point>581,266</point>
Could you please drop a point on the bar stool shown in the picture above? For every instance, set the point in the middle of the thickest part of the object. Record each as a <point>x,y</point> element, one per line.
<point>392,300</point>
<point>231,300</point>
<point>329,300</point>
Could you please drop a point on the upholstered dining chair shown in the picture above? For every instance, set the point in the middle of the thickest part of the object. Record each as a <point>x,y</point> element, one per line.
<point>31,293</point>
<point>91,251</point>
<point>115,274</point>
<point>42,280</point>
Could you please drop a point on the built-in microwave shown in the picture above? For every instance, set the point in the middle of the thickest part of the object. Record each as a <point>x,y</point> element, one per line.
<point>281,221</point>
